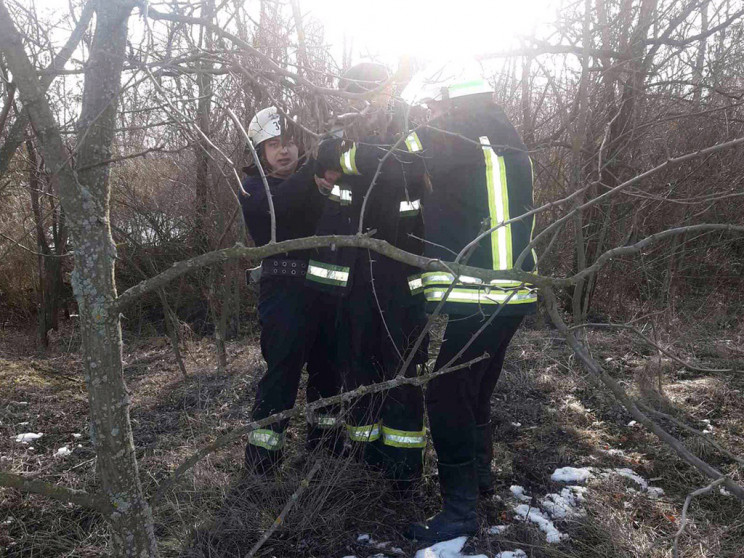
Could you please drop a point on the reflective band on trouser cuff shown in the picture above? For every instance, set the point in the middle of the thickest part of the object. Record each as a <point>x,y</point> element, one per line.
<point>413,143</point>
<point>480,296</point>
<point>327,273</point>
<point>444,279</point>
<point>498,206</point>
<point>415,284</point>
<point>403,438</point>
<point>340,195</point>
<point>410,208</point>
<point>364,433</point>
<point>267,439</point>
<point>348,161</point>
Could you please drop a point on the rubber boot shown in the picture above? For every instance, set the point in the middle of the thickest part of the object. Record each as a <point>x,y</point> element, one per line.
<point>483,456</point>
<point>404,467</point>
<point>459,486</point>
<point>261,461</point>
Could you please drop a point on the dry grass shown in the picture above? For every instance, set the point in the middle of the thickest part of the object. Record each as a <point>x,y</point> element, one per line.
<point>565,420</point>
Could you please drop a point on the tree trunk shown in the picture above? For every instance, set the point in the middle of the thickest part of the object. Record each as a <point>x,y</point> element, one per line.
<point>85,199</point>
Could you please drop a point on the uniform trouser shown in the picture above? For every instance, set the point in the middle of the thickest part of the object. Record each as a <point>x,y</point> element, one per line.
<point>458,401</point>
<point>387,427</point>
<point>297,326</point>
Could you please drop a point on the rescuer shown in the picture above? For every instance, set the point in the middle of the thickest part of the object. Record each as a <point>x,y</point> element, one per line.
<point>290,314</point>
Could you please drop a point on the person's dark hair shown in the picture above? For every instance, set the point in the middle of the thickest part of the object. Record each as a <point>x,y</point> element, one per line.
<point>363,77</point>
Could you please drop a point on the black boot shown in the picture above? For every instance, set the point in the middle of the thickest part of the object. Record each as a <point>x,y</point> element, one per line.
<point>483,456</point>
<point>330,440</point>
<point>459,486</point>
<point>261,461</point>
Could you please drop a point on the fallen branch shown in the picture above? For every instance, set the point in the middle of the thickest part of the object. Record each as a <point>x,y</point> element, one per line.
<point>287,507</point>
<point>63,494</point>
<point>593,367</point>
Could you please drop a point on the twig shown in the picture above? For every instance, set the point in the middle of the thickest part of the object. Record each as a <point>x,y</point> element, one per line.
<point>683,519</point>
<point>287,507</point>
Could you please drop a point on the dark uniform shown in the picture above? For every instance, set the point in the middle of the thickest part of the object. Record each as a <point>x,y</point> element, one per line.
<point>296,322</point>
<point>379,318</point>
<point>481,175</point>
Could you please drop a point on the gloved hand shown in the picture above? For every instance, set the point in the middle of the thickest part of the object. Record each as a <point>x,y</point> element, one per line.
<point>328,158</point>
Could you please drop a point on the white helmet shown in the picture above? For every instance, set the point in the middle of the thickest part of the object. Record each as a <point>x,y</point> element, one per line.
<point>265,125</point>
<point>448,80</point>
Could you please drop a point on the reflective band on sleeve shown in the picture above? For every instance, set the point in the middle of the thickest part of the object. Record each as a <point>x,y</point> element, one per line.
<point>364,433</point>
<point>403,438</point>
<point>325,421</point>
<point>348,161</point>
<point>267,439</point>
<point>413,143</point>
<point>498,206</point>
<point>340,195</point>
<point>327,273</point>
<point>410,208</point>
<point>415,284</point>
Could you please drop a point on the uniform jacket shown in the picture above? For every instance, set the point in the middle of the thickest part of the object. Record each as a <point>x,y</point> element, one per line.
<point>480,175</point>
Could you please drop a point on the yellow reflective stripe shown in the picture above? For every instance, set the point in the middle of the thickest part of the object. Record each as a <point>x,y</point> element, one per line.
<point>480,296</point>
<point>443,278</point>
<point>506,241</point>
<point>326,421</point>
<point>403,438</point>
<point>327,273</point>
<point>348,161</point>
<point>415,284</point>
<point>498,206</point>
<point>267,439</point>
<point>413,143</point>
<point>410,207</point>
<point>364,433</point>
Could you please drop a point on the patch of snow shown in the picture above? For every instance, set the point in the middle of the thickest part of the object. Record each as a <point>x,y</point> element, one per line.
<point>632,475</point>
<point>654,492</point>
<point>518,492</point>
<point>63,451</point>
<point>724,492</point>
<point>516,424</point>
<point>572,474</point>
<point>497,529</point>
<point>511,554</point>
<point>527,513</point>
<point>566,504</point>
<point>24,423</point>
<point>28,437</point>
<point>632,423</point>
<point>76,435</point>
<point>447,549</point>
<point>364,538</point>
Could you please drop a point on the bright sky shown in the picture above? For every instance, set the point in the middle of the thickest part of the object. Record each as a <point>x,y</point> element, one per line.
<point>428,29</point>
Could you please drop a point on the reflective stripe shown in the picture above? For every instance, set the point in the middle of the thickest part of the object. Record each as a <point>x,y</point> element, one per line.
<point>498,206</point>
<point>442,278</point>
<point>410,208</point>
<point>340,195</point>
<point>327,273</point>
<point>365,433</point>
<point>480,296</point>
<point>267,439</point>
<point>413,143</point>
<point>348,161</point>
<point>415,284</point>
<point>326,421</point>
<point>403,438</point>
